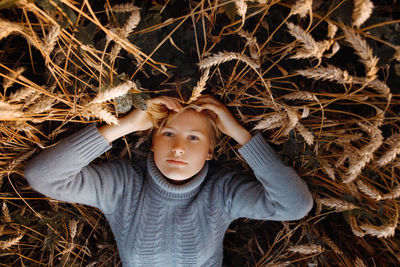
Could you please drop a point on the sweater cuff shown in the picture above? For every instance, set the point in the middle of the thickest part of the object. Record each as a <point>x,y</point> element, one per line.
<point>257,152</point>
<point>88,143</point>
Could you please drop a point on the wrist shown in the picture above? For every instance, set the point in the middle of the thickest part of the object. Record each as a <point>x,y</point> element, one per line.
<point>242,136</point>
<point>113,132</point>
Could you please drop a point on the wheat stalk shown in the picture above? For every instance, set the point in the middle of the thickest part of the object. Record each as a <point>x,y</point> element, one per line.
<point>307,135</point>
<point>131,23</point>
<point>329,73</point>
<point>335,74</point>
<point>332,29</point>
<point>16,161</point>
<point>8,27</point>
<point>355,228</point>
<point>386,230</point>
<point>44,104</point>
<point>98,111</point>
<point>114,92</point>
<point>127,7</point>
<point>6,214</point>
<point>306,112</point>
<point>301,8</point>
<point>364,52</point>
<point>50,41</point>
<point>353,189</point>
<point>365,154</point>
<point>21,95</point>
<point>310,48</point>
<point>332,245</point>
<point>9,81</point>
<point>10,242</point>
<point>125,31</point>
<point>200,86</point>
<point>306,249</point>
<point>293,117</point>
<point>72,228</point>
<point>241,9</point>
<point>301,35</point>
<point>8,111</point>
<point>392,152</point>
<point>300,95</point>
<point>362,11</point>
<point>99,67</point>
<point>327,168</point>
<point>370,191</point>
<point>251,42</point>
<point>395,193</point>
<point>339,205</point>
<point>270,122</point>
<point>225,56</point>
<point>378,85</point>
<point>335,48</point>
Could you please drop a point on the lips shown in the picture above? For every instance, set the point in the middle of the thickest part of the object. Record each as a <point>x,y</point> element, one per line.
<point>176,162</point>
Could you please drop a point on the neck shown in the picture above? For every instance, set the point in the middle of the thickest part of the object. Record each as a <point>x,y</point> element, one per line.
<point>178,182</point>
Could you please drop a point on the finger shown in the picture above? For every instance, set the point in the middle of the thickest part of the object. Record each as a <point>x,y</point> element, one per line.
<point>173,103</point>
<point>215,108</point>
<point>168,102</point>
<point>206,99</point>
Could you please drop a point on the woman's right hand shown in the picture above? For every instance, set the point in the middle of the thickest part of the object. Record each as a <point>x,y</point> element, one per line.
<point>139,120</point>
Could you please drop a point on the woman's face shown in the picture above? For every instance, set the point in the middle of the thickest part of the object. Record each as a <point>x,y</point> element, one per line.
<point>182,147</point>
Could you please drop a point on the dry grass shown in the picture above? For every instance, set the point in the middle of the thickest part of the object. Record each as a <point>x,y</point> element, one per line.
<point>335,121</point>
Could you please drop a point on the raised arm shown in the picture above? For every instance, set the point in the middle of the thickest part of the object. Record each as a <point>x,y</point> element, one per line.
<point>63,171</point>
<point>277,193</point>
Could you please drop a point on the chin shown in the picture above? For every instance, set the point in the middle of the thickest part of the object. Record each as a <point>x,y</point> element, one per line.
<point>177,177</point>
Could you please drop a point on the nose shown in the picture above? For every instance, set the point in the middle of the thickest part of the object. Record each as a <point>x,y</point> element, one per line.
<point>178,148</point>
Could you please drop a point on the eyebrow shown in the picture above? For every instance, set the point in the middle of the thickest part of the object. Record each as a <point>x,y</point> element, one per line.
<point>188,131</point>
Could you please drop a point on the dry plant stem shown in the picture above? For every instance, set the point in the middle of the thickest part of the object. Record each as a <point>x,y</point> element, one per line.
<point>362,11</point>
<point>221,33</point>
<point>28,83</point>
<point>324,18</point>
<point>160,44</point>
<point>243,50</point>
<point>195,35</point>
<point>129,47</point>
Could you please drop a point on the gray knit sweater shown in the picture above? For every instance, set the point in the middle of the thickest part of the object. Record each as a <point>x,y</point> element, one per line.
<point>156,223</point>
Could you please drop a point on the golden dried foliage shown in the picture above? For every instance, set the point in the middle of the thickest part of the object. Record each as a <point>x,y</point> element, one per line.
<point>301,8</point>
<point>306,249</point>
<point>222,57</point>
<point>200,86</point>
<point>341,116</point>
<point>362,11</point>
<point>364,51</point>
<point>338,204</point>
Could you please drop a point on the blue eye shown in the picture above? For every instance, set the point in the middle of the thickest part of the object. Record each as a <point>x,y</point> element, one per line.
<point>193,138</point>
<point>168,134</point>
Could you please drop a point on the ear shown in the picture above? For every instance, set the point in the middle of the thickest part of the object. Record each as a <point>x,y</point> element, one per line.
<point>210,155</point>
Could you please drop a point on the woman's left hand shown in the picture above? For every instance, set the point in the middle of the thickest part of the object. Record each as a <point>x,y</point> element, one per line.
<point>226,123</point>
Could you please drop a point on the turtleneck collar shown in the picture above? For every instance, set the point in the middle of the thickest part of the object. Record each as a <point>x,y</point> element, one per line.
<point>172,191</point>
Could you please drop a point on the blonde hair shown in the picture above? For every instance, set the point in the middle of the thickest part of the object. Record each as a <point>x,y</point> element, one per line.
<point>161,116</point>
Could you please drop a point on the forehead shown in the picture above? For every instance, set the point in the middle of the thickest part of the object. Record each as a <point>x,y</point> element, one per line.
<point>189,119</point>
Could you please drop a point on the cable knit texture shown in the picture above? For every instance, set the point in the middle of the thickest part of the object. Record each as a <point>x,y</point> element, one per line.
<point>156,223</point>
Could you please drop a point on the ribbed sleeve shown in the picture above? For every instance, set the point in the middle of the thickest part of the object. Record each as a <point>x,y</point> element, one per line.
<point>62,171</point>
<point>258,152</point>
<point>277,193</point>
<point>88,143</point>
